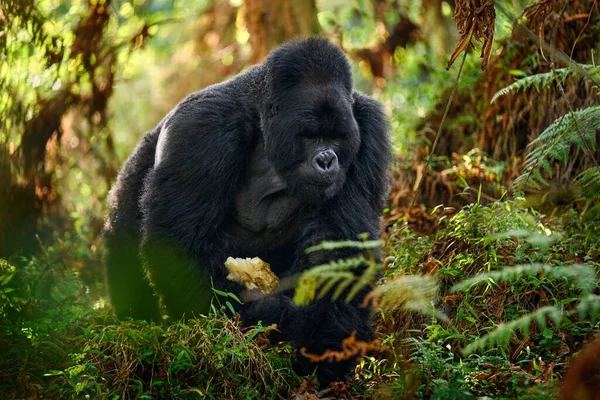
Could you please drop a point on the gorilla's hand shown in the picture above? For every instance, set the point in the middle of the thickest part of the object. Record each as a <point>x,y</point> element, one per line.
<point>315,328</point>
<point>277,309</point>
<point>323,326</point>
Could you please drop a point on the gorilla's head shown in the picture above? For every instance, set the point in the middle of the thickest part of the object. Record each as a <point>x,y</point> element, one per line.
<point>310,132</point>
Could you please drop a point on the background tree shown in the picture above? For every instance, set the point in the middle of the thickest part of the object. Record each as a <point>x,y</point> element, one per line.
<point>270,23</point>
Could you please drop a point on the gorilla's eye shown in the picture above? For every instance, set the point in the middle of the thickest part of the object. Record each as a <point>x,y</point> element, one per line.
<point>274,110</point>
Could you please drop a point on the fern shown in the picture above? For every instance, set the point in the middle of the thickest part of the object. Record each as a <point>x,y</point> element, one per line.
<point>577,128</point>
<point>338,275</point>
<point>589,306</point>
<point>367,244</point>
<point>589,181</point>
<point>318,281</point>
<point>582,275</point>
<point>416,293</point>
<point>543,80</point>
<point>410,292</point>
<point>503,332</point>
<point>537,239</point>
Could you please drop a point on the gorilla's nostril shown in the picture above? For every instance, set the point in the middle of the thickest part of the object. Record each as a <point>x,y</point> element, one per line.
<point>325,160</point>
<point>333,162</point>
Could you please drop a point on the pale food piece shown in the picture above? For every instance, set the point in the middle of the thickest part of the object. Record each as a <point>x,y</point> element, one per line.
<point>253,273</point>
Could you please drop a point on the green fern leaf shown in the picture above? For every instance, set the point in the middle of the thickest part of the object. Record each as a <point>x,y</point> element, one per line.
<point>541,80</point>
<point>590,182</point>
<point>579,128</point>
<point>503,332</point>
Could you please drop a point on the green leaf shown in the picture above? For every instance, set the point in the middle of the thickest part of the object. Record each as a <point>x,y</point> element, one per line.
<point>547,333</point>
<point>6,279</point>
<point>230,307</point>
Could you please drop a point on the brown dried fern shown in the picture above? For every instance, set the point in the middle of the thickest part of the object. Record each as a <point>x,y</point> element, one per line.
<point>351,347</point>
<point>536,14</point>
<point>474,18</point>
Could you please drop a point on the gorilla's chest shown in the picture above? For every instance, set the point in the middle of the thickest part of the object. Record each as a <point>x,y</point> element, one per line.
<point>264,210</point>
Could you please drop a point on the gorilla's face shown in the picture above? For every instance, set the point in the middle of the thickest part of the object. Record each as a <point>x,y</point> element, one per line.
<point>312,139</point>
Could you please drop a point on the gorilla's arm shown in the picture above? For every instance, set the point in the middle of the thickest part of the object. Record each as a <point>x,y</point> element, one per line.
<point>188,194</point>
<point>355,210</point>
<point>130,292</point>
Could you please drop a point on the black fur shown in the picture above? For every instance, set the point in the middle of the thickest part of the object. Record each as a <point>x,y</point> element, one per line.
<point>233,170</point>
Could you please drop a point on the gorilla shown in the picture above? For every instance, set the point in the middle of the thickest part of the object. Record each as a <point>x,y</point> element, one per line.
<point>268,163</point>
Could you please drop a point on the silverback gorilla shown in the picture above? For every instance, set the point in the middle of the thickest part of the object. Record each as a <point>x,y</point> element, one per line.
<point>279,158</point>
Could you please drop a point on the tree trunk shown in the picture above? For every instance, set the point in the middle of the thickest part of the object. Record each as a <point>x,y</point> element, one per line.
<point>270,23</point>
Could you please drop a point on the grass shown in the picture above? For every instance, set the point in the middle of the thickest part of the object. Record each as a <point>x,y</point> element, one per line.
<point>482,240</point>
<point>207,357</point>
<point>96,357</point>
<point>54,344</point>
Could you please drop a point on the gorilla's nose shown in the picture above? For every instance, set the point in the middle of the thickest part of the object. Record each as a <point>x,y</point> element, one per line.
<point>326,161</point>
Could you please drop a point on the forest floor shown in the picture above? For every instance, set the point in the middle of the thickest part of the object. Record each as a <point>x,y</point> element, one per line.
<point>59,340</point>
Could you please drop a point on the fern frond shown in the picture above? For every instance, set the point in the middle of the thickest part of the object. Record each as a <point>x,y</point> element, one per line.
<point>320,280</point>
<point>340,277</point>
<point>590,182</point>
<point>537,239</point>
<point>543,80</point>
<point>582,275</point>
<point>586,118</point>
<point>589,306</point>
<point>577,128</point>
<point>410,292</point>
<point>502,333</point>
<point>367,244</point>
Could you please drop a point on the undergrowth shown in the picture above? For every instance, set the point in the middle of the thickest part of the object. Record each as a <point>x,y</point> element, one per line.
<point>54,344</point>
<point>512,285</point>
<point>520,289</point>
<point>96,357</point>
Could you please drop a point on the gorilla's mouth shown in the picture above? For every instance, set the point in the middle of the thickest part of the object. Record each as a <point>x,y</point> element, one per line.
<point>308,175</point>
<point>315,189</point>
<point>319,182</point>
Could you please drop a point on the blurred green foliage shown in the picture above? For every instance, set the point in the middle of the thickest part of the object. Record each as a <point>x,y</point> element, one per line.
<point>118,76</point>
<point>105,80</point>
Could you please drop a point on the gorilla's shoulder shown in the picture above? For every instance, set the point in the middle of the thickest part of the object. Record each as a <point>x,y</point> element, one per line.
<point>218,115</point>
<point>220,103</point>
<point>210,104</point>
<point>369,114</point>
<point>365,104</point>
